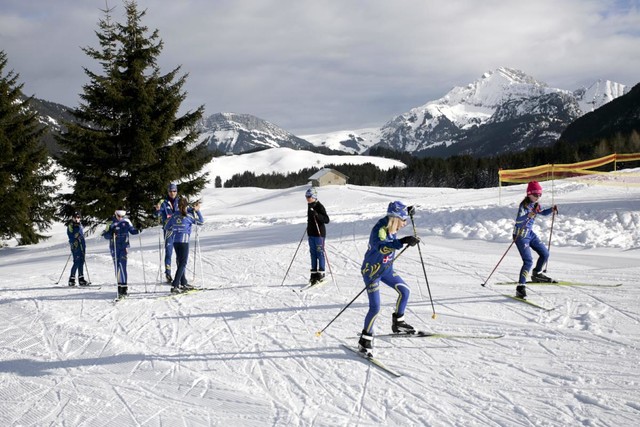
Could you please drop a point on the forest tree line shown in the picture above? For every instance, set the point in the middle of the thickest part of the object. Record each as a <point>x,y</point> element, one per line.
<point>454,172</point>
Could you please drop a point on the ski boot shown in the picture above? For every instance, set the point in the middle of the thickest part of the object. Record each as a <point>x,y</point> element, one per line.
<point>82,282</point>
<point>175,290</point>
<point>320,277</point>
<point>186,287</point>
<point>122,290</point>
<point>72,281</point>
<point>365,344</point>
<point>521,291</point>
<point>167,276</point>
<point>399,326</point>
<point>313,279</point>
<point>538,277</point>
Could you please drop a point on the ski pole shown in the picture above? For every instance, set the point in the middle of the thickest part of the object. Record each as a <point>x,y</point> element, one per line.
<point>115,257</point>
<point>341,311</point>
<point>144,270</point>
<point>494,269</point>
<point>360,293</point>
<point>424,270</point>
<point>294,257</point>
<point>160,254</point>
<point>324,251</point>
<point>63,269</point>
<point>550,234</point>
<point>86,267</point>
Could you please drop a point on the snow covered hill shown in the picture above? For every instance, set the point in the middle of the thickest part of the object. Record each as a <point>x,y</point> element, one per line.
<point>246,353</point>
<point>286,160</point>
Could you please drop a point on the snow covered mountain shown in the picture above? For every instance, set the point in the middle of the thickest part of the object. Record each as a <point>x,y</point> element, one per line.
<point>504,110</point>
<point>350,141</point>
<point>238,133</point>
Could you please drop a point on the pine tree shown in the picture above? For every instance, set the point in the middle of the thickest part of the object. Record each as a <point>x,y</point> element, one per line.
<point>26,176</point>
<point>129,142</point>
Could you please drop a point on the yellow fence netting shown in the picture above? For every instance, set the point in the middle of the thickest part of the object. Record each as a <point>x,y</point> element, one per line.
<point>581,171</point>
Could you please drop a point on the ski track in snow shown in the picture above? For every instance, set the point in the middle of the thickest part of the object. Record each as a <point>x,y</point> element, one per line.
<point>246,352</point>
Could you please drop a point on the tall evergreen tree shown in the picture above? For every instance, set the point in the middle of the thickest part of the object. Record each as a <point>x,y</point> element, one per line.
<point>129,142</point>
<point>26,176</point>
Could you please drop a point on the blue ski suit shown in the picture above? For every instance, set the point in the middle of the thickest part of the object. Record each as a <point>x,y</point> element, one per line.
<point>168,208</point>
<point>181,228</point>
<point>78,246</point>
<point>377,267</point>
<point>118,235</point>
<point>526,239</point>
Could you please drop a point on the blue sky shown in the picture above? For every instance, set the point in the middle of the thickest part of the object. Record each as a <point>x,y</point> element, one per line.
<point>313,66</point>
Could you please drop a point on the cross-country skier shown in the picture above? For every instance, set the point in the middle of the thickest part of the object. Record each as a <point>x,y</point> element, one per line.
<point>180,225</point>
<point>118,235</point>
<point>526,239</point>
<point>165,209</point>
<point>378,267</point>
<point>316,231</point>
<point>78,246</point>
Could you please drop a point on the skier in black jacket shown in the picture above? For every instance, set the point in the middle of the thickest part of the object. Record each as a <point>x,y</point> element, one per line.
<point>316,219</point>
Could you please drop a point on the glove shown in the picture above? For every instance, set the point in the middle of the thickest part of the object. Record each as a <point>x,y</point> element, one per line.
<point>555,209</point>
<point>411,210</point>
<point>410,240</point>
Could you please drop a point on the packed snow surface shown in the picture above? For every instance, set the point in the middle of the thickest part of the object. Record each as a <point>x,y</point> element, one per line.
<point>246,353</point>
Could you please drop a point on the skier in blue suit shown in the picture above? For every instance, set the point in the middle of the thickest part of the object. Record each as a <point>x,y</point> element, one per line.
<point>118,235</point>
<point>378,267</point>
<point>180,225</point>
<point>78,246</point>
<point>165,210</point>
<point>526,239</point>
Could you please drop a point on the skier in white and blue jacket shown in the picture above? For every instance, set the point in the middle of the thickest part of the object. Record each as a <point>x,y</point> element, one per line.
<point>377,267</point>
<point>165,210</point>
<point>118,235</point>
<point>78,246</point>
<point>525,239</point>
<point>180,225</point>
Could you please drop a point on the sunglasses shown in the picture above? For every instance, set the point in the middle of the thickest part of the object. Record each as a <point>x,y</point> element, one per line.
<point>536,194</point>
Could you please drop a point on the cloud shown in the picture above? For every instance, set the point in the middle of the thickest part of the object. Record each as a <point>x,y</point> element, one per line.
<point>322,65</point>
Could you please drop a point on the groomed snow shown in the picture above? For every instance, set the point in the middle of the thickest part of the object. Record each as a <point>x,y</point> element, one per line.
<point>247,354</point>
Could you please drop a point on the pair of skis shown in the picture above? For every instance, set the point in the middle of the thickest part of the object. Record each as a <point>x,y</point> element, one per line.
<point>169,296</point>
<point>417,334</point>
<point>551,283</point>
<point>314,285</point>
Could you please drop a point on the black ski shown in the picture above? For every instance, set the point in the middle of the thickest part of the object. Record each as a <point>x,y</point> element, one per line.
<point>94,287</point>
<point>375,362</point>
<point>533,304</point>
<point>561,283</point>
<point>425,334</point>
<point>314,285</point>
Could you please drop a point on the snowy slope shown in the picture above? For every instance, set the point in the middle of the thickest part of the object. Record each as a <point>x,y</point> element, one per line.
<point>247,354</point>
<point>286,160</point>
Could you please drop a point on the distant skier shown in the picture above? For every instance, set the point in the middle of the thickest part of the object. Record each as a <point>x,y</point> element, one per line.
<point>78,246</point>
<point>526,239</point>
<point>118,235</point>
<point>165,209</point>
<point>180,225</point>
<point>316,231</point>
<point>378,267</point>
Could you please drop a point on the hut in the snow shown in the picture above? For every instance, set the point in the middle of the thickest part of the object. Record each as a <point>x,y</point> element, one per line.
<point>328,177</point>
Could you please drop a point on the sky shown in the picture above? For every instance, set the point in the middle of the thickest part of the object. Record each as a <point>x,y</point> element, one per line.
<point>247,353</point>
<point>315,66</point>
